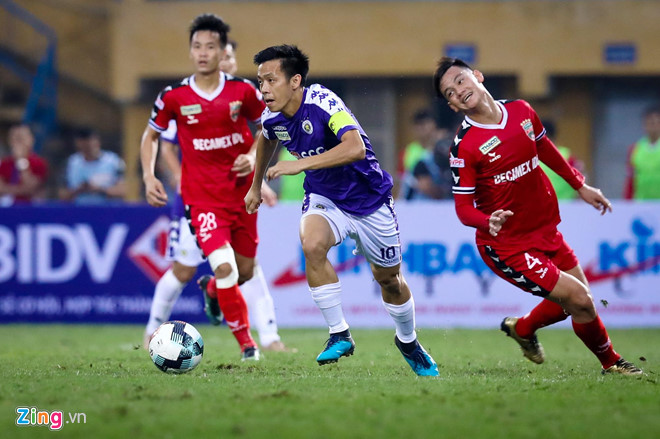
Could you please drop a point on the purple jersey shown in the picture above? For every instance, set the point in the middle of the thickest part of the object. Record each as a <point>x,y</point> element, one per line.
<point>358,188</point>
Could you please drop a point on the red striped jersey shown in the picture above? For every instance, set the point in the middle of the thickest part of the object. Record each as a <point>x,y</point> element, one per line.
<point>212,131</point>
<point>496,166</point>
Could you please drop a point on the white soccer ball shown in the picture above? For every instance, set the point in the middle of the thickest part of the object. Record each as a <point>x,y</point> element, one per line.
<point>176,347</point>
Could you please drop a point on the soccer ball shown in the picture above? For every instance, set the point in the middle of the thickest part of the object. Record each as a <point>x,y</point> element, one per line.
<point>176,347</point>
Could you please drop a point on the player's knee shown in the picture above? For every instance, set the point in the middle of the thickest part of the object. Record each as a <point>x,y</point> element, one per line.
<point>389,281</point>
<point>581,302</point>
<point>314,249</point>
<point>245,275</point>
<point>223,263</point>
<point>183,273</point>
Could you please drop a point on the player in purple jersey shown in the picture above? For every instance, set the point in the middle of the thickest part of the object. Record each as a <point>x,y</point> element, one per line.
<point>347,194</point>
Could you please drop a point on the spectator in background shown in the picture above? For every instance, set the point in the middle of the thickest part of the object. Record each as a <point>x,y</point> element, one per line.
<point>429,176</point>
<point>93,175</point>
<point>22,173</point>
<point>290,186</point>
<point>643,168</point>
<point>423,123</point>
<point>563,190</point>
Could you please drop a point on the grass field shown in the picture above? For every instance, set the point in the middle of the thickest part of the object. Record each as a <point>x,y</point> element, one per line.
<point>486,390</point>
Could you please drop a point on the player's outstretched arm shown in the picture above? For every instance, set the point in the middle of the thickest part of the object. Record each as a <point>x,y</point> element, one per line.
<point>595,197</point>
<point>154,190</point>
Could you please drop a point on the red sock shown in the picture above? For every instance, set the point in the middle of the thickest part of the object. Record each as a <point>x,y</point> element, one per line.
<point>234,308</point>
<point>594,336</point>
<point>544,314</point>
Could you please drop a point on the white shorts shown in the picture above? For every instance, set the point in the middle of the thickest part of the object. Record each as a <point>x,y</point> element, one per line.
<point>376,235</point>
<point>182,245</point>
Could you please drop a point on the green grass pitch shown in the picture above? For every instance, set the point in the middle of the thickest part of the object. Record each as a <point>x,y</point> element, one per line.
<point>486,389</point>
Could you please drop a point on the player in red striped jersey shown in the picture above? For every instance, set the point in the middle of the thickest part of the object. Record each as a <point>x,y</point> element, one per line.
<point>500,190</point>
<point>212,110</point>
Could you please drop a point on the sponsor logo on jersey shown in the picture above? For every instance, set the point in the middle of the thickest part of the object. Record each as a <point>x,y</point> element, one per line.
<point>235,109</point>
<point>281,133</point>
<point>493,156</point>
<point>192,119</point>
<point>187,110</point>
<point>518,171</point>
<point>528,127</point>
<point>456,162</point>
<point>319,206</point>
<point>488,146</point>
<point>218,142</point>
<point>307,126</point>
<point>311,152</point>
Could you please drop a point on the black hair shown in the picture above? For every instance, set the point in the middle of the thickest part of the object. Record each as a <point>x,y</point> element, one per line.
<point>292,60</point>
<point>423,115</point>
<point>85,133</point>
<point>652,109</point>
<point>445,64</point>
<point>210,22</point>
<point>550,129</point>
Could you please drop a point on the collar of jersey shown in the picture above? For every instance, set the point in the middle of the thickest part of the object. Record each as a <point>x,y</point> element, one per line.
<point>208,96</point>
<point>493,126</point>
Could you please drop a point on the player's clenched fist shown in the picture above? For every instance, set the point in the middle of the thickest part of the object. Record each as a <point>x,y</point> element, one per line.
<point>253,200</point>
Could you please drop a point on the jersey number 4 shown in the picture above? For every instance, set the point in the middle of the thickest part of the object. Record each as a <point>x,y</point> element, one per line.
<point>533,262</point>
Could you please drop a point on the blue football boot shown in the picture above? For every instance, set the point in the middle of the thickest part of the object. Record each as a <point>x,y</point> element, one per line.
<point>419,360</point>
<point>336,346</point>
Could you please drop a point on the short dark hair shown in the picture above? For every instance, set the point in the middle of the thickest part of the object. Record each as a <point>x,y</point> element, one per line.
<point>85,133</point>
<point>292,60</point>
<point>550,129</point>
<point>423,115</point>
<point>210,22</point>
<point>445,64</point>
<point>652,109</point>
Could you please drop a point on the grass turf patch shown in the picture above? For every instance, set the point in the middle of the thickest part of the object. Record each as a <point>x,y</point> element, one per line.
<point>486,388</point>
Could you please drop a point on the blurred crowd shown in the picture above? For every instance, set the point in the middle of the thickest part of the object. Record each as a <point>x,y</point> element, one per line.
<point>92,174</point>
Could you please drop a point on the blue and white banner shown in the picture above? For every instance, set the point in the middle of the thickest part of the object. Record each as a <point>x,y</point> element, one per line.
<point>66,263</point>
<point>100,264</point>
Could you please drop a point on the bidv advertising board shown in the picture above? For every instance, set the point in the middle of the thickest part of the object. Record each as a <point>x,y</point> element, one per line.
<point>100,264</point>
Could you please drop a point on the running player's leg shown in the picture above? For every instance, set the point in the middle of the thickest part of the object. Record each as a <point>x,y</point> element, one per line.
<point>532,271</point>
<point>536,272</point>
<point>230,299</point>
<point>262,311</point>
<point>576,298</point>
<point>378,239</point>
<point>167,291</point>
<point>323,226</point>
<point>186,256</point>
<point>213,231</point>
<point>547,312</point>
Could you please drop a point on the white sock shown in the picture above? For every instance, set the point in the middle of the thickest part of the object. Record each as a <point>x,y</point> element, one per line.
<point>328,299</point>
<point>404,319</point>
<point>260,307</point>
<point>168,289</point>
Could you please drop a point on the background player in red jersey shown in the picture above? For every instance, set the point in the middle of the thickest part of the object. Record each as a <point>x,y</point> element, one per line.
<point>212,111</point>
<point>500,190</point>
